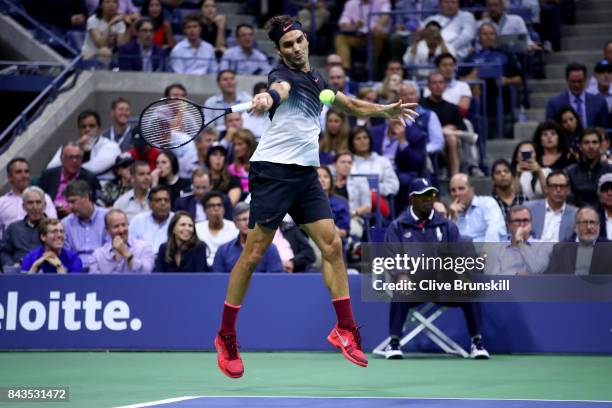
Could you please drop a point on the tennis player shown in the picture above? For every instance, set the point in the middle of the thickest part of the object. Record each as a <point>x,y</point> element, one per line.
<point>283,179</point>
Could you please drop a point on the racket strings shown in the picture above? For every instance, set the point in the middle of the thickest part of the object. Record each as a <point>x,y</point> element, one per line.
<point>171,123</point>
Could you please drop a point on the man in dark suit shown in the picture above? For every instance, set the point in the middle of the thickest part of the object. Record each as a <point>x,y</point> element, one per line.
<point>587,253</point>
<point>141,54</point>
<point>552,217</point>
<point>54,180</point>
<point>592,109</point>
<point>192,203</point>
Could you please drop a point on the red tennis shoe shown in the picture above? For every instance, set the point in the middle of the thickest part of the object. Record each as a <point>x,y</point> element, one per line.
<point>349,342</point>
<point>228,356</point>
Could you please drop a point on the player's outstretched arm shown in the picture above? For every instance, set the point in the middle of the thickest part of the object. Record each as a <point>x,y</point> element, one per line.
<point>357,107</point>
<point>263,101</point>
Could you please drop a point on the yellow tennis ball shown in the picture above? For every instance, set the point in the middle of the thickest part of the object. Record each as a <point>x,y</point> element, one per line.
<point>327,97</point>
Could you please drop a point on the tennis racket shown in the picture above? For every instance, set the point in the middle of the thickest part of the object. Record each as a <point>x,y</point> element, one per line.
<point>170,123</point>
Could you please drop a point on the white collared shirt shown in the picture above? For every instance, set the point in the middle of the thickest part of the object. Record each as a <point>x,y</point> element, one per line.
<point>552,223</point>
<point>608,226</point>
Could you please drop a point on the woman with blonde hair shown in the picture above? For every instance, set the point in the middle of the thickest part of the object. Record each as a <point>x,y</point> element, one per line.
<point>244,147</point>
<point>335,136</point>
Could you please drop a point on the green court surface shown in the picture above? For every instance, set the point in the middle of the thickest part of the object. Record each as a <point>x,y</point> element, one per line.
<point>104,379</point>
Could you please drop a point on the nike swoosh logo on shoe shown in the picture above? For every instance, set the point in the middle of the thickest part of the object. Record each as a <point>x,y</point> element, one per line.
<point>343,341</point>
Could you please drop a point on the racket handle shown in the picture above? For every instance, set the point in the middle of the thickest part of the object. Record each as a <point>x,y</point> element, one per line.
<point>242,107</point>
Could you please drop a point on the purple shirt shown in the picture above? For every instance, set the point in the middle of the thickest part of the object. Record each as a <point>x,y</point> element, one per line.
<point>11,209</point>
<point>70,260</point>
<point>104,260</point>
<point>84,237</point>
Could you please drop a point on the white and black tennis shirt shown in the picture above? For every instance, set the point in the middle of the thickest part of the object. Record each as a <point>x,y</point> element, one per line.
<point>291,135</point>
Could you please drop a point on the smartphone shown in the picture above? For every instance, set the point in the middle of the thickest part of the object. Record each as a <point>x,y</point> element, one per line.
<point>526,155</point>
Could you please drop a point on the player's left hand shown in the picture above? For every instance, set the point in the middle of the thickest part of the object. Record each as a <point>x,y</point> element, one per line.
<point>401,110</point>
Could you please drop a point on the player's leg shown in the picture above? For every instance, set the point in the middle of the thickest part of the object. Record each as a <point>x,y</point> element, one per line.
<point>345,335</point>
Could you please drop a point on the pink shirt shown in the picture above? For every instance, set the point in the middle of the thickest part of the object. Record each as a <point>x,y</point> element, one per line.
<point>242,174</point>
<point>356,10</point>
<point>59,199</point>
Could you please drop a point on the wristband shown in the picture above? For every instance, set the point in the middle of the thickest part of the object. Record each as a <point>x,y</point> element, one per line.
<point>275,99</point>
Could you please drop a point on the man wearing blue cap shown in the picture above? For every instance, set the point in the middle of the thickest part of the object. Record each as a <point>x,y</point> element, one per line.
<point>420,223</point>
<point>603,77</point>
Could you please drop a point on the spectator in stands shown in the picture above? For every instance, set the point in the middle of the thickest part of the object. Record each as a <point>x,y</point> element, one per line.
<point>233,123</point>
<point>163,36</point>
<point>244,58</point>
<point>407,23</point>
<point>228,253</point>
<point>303,254</point>
<point>99,153</point>
<point>142,150</point>
<point>389,90</point>
<point>152,226</point>
<point>572,128</point>
<point>120,185</point>
<point>583,255</point>
<point>257,121</point>
<point>335,136</point>
<point>420,224</point>
<point>207,138</point>
<point>213,27</point>
<point>221,178</point>
<point>59,15</point>
<point>507,24</point>
<point>354,189</point>
<point>333,60</point>
<point>321,15</point>
<point>550,146</point>
<point>84,228</point>
<point>550,24</point>
<point>192,55</point>
<point>121,254</point>
<point>243,149</point>
<point>427,44</point>
<point>142,54</point>
<point>134,201</point>
<point>338,80</point>
<point>21,237</point>
<point>52,256</point>
<point>458,27</point>
<point>370,95</point>
<point>54,180</point>
<point>120,130</point>
<point>530,175</point>
<point>226,81</point>
<point>583,175</point>
<point>553,218</point>
<point>477,217</point>
<point>215,231</point>
<point>167,174</point>
<point>504,187</point>
<point>604,188</point>
<point>354,29</point>
<point>522,256</point>
<point>106,30</point>
<point>592,109</point>
<point>450,119</point>
<point>339,205</point>
<point>367,161</point>
<point>427,120</point>
<point>183,251</point>
<point>506,72</point>
<point>603,78</point>
<point>457,92</point>
<point>192,203</point>
<point>606,56</point>
<point>11,203</point>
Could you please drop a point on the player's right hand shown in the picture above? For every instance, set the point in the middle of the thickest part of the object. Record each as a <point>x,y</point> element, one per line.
<point>262,102</point>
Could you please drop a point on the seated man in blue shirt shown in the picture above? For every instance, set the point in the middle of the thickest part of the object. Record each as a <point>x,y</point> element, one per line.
<point>51,256</point>
<point>227,254</point>
<point>420,223</point>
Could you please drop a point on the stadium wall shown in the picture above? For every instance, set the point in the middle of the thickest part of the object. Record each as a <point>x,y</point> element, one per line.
<point>281,312</point>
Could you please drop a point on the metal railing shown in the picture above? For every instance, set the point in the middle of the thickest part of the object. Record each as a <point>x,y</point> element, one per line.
<point>36,107</point>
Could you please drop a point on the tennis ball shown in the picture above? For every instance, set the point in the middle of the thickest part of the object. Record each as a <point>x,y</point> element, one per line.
<point>327,97</point>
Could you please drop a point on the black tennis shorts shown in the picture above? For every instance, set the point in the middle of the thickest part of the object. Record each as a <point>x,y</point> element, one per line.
<point>277,189</point>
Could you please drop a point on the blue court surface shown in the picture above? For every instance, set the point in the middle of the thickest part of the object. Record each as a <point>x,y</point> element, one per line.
<point>336,402</point>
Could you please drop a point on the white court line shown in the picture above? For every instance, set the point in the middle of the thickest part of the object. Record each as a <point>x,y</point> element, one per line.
<point>152,403</point>
<point>167,401</point>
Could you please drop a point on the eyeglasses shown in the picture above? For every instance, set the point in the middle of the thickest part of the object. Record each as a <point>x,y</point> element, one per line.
<point>520,221</point>
<point>590,223</point>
